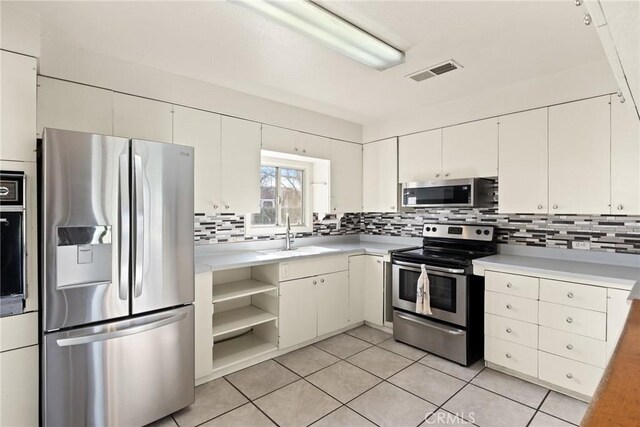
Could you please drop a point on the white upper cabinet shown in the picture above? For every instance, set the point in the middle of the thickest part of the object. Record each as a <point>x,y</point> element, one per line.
<point>18,121</point>
<point>346,177</point>
<point>625,159</point>
<point>293,142</point>
<point>470,150</point>
<point>579,157</point>
<point>240,168</point>
<point>72,106</point>
<point>315,146</point>
<point>523,156</point>
<point>380,176</point>
<point>201,130</point>
<point>420,157</point>
<point>141,118</point>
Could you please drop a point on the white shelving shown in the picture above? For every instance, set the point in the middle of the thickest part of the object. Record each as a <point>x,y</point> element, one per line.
<point>240,349</point>
<point>239,318</point>
<point>241,288</point>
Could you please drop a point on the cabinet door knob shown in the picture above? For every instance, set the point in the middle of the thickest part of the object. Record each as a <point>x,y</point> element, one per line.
<point>555,206</point>
<point>295,149</point>
<point>446,174</point>
<point>508,306</point>
<point>509,285</point>
<point>570,294</point>
<point>539,207</point>
<point>315,282</point>
<point>569,347</point>
<point>508,330</point>
<point>226,206</point>
<point>321,280</point>
<point>620,207</point>
<point>508,355</point>
<point>215,206</point>
<point>569,375</point>
<point>393,207</point>
<point>304,151</point>
<point>569,320</point>
<point>437,175</point>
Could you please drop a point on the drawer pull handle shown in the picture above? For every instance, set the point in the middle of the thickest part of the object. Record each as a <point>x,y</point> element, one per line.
<point>569,375</point>
<point>509,285</point>
<point>508,355</point>
<point>569,347</point>
<point>570,294</point>
<point>569,320</point>
<point>508,306</point>
<point>508,330</point>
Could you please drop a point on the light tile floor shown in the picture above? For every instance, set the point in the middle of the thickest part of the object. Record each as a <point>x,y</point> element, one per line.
<point>364,378</point>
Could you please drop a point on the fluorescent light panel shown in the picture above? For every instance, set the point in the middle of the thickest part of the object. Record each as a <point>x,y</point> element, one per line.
<point>332,31</point>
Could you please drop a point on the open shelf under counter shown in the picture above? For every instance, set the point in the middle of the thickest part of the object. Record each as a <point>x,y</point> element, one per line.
<point>240,349</point>
<point>241,288</point>
<point>239,318</point>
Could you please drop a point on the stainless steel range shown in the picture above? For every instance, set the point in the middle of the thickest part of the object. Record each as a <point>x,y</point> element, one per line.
<point>455,328</point>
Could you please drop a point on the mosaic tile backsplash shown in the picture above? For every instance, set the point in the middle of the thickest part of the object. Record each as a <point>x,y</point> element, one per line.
<point>605,233</point>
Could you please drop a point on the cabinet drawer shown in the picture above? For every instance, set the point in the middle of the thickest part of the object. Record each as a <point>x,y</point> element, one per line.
<point>512,330</point>
<point>572,375</point>
<point>512,284</point>
<point>574,294</point>
<point>313,266</point>
<point>574,320</point>
<point>510,355</point>
<point>511,306</point>
<point>574,347</point>
<point>18,331</point>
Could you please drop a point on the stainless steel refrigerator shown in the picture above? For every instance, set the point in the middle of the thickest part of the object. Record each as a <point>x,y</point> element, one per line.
<point>117,279</point>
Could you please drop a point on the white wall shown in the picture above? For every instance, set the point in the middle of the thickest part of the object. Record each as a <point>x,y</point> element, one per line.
<point>582,82</point>
<point>66,62</point>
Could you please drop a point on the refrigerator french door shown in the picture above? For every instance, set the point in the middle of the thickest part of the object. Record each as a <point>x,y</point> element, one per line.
<point>117,279</point>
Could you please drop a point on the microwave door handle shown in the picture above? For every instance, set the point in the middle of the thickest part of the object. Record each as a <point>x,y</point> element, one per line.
<point>124,225</point>
<point>432,268</point>
<point>442,328</point>
<point>139,204</point>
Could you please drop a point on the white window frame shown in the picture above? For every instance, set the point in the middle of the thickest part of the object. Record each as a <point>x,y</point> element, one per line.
<point>307,200</point>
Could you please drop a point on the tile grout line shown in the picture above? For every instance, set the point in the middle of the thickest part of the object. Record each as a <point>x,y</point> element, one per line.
<point>538,408</point>
<point>252,402</point>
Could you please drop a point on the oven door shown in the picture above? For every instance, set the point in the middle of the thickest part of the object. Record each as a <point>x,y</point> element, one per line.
<point>447,289</point>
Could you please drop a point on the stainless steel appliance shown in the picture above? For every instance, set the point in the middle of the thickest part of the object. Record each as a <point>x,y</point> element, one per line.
<point>455,328</point>
<point>117,279</point>
<point>471,192</point>
<point>13,251</point>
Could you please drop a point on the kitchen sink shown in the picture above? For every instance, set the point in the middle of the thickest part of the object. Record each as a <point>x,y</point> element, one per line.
<point>299,251</point>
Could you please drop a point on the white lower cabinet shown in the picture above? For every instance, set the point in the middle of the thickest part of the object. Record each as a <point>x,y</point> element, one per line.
<point>557,333</point>
<point>313,306</point>
<point>366,275</point>
<point>19,401</point>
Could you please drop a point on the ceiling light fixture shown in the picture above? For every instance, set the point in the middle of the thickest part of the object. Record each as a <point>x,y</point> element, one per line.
<point>330,30</point>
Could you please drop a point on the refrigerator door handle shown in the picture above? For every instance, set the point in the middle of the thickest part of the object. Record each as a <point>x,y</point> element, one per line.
<point>124,225</point>
<point>118,333</point>
<point>139,226</point>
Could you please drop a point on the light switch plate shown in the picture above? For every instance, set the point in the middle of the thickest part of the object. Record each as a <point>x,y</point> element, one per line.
<point>581,244</point>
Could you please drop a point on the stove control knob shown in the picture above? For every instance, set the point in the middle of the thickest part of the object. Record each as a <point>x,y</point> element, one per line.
<point>434,229</point>
<point>428,228</point>
<point>478,232</point>
<point>486,232</point>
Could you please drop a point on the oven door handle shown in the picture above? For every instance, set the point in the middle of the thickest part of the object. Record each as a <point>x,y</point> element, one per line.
<point>450,331</point>
<point>432,268</point>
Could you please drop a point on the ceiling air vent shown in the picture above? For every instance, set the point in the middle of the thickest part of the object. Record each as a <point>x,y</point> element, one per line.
<point>436,70</point>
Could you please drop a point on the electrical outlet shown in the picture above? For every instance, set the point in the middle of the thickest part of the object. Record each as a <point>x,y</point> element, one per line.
<point>581,244</point>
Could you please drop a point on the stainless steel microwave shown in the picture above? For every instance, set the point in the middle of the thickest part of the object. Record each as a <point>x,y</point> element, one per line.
<point>471,192</point>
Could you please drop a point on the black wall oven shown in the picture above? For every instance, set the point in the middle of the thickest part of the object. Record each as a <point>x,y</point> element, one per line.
<point>12,243</point>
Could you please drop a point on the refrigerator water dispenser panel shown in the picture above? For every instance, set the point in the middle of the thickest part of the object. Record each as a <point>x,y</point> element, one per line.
<point>83,256</point>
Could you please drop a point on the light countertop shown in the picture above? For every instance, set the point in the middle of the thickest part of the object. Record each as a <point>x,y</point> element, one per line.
<point>225,260</point>
<point>593,273</point>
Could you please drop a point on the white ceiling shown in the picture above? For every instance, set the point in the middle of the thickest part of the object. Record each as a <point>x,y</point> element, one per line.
<point>497,42</point>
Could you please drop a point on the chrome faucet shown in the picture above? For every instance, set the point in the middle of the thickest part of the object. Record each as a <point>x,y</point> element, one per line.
<point>288,237</point>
